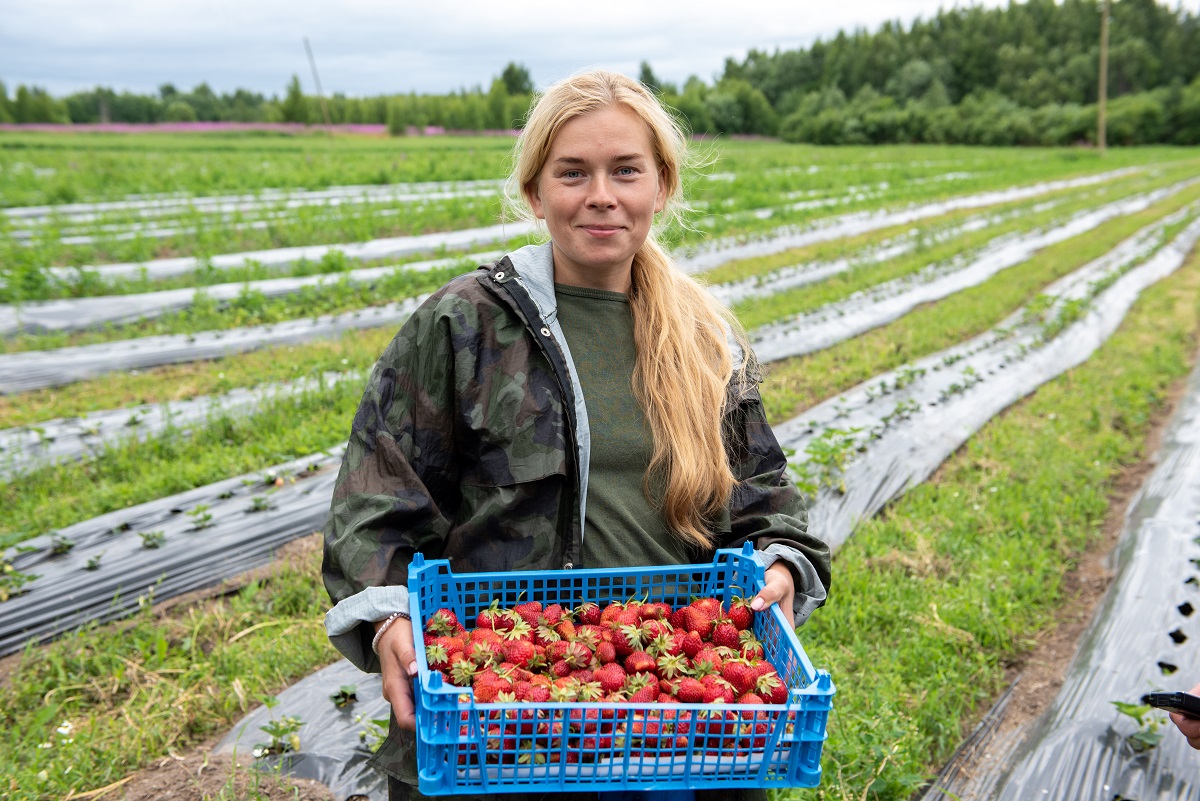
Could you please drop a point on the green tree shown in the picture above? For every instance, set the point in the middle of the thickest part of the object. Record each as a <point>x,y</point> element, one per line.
<point>651,80</point>
<point>517,79</point>
<point>295,106</point>
<point>6,114</point>
<point>497,106</point>
<point>181,111</point>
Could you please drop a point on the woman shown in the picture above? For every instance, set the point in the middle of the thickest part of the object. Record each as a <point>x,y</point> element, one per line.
<point>575,404</point>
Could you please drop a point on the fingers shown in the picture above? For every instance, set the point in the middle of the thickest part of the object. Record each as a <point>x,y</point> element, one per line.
<point>780,589</point>
<point>1189,727</point>
<point>398,664</point>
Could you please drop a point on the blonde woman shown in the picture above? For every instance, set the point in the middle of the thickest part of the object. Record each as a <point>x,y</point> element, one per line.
<point>577,404</point>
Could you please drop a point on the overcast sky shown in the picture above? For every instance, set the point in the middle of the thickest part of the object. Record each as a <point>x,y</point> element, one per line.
<point>366,47</point>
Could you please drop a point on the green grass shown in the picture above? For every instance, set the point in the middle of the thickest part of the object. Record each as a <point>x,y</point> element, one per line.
<point>55,497</point>
<point>909,676</point>
<point>804,381</point>
<point>931,602</point>
<point>934,598</point>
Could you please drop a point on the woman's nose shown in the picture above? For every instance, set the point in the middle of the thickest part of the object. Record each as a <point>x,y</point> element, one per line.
<point>600,194</point>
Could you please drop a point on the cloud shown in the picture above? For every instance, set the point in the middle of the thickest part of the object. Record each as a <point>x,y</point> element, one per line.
<point>376,46</point>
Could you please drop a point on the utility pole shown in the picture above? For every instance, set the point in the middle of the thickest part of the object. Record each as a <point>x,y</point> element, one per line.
<point>317,80</point>
<point>1102,103</point>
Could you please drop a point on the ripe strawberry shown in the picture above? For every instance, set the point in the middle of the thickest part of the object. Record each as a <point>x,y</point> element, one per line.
<point>577,655</point>
<point>771,688</point>
<point>529,611</point>
<point>752,651</point>
<point>692,643</point>
<point>654,628</point>
<point>606,652</point>
<point>691,691</point>
<point>640,662</point>
<point>443,623</point>
<point>552,613</point>
<point>560,669</point>
<point>544,634</point>
<point>696,619</point>
<point>750,698</point>
<point>725,634</point>
<point>487,692</point>
<point>650,612</point>
<point>740,674</point>
<point>462,671</point>
<point>628,638</point>
<point>670,666</point>
<point>741,614</point>
<point>611,677</point>
<point>587,613</point>
<point>648,694</point>
<point>563,690</point>
<point>520,653</point>
<point>711,606</point>
<point>486,619</point>
<point>717,690</point>
<point>565,629</point>
<point>436,656</point>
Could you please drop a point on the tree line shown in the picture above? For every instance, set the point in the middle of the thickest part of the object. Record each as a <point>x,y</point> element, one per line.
<point>1026,74</point>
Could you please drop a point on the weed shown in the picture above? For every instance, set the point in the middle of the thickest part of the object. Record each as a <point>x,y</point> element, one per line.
<point>152,539</point>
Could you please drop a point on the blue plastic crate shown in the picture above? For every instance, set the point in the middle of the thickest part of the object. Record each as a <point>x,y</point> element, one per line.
<point>464,747</point>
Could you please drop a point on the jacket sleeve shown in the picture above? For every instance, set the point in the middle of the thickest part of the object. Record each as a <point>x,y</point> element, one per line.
<point>766,508</point>
<point>397,491</point>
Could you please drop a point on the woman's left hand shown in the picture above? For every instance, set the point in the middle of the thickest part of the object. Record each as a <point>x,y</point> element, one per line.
<point>780,589</point>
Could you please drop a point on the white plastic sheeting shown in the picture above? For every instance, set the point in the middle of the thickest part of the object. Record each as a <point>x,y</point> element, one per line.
<point>783,279</point>
<point>705,258</point>
<point>74,314</point>
<point>339,758</point>
<point>903,452</point>
<point>108,565</point>
<point>390,248</point>
<point>891,300</point>
<point>1145,636</point>
<point>908,421</point>
<point>173,204</point>
<point>68,439</point>
<point>21,372</point>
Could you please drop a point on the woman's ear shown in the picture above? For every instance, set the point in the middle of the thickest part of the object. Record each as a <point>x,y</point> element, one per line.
<point>534,199</point>
<point>660,201</point>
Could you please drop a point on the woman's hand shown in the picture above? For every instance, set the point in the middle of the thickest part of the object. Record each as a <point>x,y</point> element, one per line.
<point>1190,727</point>
<point>780,589</point>
<point>398,662</point>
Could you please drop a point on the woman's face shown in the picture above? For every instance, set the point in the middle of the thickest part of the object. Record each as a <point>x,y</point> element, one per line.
<point>598,192</point>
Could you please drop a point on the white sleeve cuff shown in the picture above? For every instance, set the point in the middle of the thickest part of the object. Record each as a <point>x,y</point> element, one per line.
<point>810,592</point>
<point>342,622</point>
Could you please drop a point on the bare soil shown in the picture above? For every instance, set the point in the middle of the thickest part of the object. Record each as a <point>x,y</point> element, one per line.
<point>201,775</point>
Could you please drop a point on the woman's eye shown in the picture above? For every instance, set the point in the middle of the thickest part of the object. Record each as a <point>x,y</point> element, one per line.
<point>626,171</point>
<point>572,174</point>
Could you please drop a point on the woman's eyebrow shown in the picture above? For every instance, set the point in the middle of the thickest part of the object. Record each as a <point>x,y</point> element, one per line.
<point>570,160</point>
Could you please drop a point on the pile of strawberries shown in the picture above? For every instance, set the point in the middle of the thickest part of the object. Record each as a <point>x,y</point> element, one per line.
<point>624,652</point>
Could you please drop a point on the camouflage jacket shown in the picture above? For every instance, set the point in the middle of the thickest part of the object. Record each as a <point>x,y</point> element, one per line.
<point>471,444</point>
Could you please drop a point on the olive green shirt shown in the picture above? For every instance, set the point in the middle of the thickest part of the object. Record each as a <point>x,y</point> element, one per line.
<point>623,528</point>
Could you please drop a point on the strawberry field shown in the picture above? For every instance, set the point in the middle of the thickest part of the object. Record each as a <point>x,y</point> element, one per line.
<point>968,351</point>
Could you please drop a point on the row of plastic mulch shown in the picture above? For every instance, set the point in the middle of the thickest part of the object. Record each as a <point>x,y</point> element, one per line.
<point>902,455</point>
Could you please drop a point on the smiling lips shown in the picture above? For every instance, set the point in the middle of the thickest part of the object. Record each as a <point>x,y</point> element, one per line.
<point>601,230</point>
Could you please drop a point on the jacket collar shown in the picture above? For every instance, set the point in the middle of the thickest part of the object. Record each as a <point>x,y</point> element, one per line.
<point>535,271</point>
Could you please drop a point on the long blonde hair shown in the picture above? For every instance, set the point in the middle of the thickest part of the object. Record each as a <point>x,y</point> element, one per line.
<point>684,361</point>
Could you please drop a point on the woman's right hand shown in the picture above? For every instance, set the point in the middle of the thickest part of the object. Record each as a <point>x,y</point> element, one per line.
<point>398,663</point>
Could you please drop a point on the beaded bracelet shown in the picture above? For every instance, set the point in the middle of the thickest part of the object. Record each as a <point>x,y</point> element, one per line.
<point>391,619</point>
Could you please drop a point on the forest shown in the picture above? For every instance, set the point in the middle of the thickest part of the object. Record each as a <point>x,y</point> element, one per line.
<point>1026,74</point>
